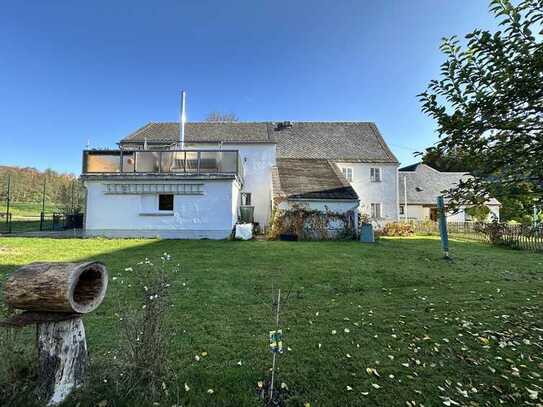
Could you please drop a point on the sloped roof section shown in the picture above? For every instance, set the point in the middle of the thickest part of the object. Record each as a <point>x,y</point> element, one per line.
<point>310,179</point>
<point>202,133</point>
<point>339,141</point>
<point>425,184</point>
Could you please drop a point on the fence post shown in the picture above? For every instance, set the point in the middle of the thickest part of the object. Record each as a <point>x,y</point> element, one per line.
<point>8,199</point>
<point>443,226</point>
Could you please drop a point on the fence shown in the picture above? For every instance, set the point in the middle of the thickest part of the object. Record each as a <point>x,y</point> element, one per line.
<point>44,222</point>
<point>525,237</point>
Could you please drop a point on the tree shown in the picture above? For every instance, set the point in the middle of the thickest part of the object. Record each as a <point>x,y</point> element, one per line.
<point>488,106</point>
<point>221,117</point>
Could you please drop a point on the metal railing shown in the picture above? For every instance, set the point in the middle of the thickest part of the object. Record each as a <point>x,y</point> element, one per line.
<point>197,162</point>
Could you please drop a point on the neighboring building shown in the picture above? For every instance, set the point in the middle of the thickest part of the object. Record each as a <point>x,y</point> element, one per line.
<point>154,185</point>
<point>419,187</point>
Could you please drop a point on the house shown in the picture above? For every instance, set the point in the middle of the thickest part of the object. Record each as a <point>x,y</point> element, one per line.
<point>195,180</point>
<point>419,187</point>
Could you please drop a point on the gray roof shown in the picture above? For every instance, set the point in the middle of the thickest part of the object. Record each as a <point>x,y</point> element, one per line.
<point>425,184</point>
<point>310,179</point>
<point>204,132</point>
<point>339,141</point>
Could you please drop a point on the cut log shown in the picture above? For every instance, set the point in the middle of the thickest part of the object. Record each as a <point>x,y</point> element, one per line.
<point>57,287</point>
<point>62,356</point>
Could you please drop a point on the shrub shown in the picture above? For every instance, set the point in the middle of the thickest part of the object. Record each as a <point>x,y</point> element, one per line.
<point>18,368</point>
<point>311,224</point>
<point>142,365</point>
<point>398,229</point>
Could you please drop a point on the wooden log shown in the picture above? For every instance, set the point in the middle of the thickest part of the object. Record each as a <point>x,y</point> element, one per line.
<point>57,287</point>
<point>62,357</point>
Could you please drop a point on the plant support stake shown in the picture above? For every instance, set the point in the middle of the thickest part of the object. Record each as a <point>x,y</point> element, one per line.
<point>276,342</point>
<point>443,226</point>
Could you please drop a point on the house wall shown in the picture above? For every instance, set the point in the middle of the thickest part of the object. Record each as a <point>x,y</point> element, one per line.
<point>419,212</point>
<point>210,215</point>
<point>257,160</point>
<point>320,205</point>
<point>384,192</point>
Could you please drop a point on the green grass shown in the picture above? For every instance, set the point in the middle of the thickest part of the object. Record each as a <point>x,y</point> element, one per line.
<point>432,329</point>
<point>27,209</point>
<point>25,216</point>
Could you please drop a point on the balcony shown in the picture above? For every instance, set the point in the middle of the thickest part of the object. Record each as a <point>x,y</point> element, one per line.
<point>163,162</point>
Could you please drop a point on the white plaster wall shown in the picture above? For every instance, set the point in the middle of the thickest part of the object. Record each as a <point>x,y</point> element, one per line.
<point>257,160</point>
<point>384,192</point>
<point>418,212</point>
<point>211,212</point>
<point>236,200</point>
<point>415,212</point>
<point>494,212</point>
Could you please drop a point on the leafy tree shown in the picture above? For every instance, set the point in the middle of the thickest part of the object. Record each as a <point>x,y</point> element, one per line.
<point>221,117</point>
<point>488,106</point>
<point>479,213</point>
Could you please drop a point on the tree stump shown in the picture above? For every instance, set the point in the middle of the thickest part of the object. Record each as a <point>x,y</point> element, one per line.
<point>54,297</point>
<point>62,356</point>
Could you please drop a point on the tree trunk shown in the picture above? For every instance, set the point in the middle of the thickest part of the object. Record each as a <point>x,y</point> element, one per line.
<point>62,356</point>
<point>57,287</point>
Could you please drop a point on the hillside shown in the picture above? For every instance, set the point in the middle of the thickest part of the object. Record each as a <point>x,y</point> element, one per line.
<point>27,187</point>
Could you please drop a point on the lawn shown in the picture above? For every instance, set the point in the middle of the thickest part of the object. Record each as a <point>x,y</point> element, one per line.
<point>390,324</point>
<point>25,216</point>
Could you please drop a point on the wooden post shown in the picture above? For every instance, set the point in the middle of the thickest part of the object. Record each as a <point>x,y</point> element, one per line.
<point>55,296</point>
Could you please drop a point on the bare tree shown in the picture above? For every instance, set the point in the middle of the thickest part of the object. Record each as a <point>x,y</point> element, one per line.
<point>221,117</point>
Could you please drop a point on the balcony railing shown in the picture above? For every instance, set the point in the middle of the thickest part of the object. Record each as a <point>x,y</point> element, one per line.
<point>190,162</point>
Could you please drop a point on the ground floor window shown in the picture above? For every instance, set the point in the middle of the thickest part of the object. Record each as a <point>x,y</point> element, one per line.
<point>376,210</point>
<point>402,210</point>
<point>165,202</point>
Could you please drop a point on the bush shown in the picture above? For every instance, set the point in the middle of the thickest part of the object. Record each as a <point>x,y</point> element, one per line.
<point>398,229</point>
<point>141,368</point>
<point>311,224</point>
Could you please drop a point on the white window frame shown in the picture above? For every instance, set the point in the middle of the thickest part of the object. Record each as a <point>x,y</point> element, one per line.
<point>348,173</point>
<point>373,213</point>
<point>374,171</point>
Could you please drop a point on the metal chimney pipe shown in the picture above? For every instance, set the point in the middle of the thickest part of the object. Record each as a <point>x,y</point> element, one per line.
<point>182,121</point>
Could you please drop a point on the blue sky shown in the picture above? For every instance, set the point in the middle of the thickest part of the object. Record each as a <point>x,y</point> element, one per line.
<point>77,71</point>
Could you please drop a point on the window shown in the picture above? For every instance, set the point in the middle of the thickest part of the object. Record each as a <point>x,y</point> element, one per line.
<point>375,174</point>
<point>165,202</point>
<point>402,210</point>
<point>376,210</point>
<point>245,199</point>
<point>348,173</point>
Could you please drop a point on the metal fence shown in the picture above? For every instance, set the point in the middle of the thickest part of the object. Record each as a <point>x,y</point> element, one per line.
<point>525,237</point>
<point>10,224</point>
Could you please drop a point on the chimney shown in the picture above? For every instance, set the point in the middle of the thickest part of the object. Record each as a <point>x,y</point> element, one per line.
<point>182,120</point>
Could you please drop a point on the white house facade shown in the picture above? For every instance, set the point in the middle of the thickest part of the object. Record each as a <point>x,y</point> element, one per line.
<point>224,173</point>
